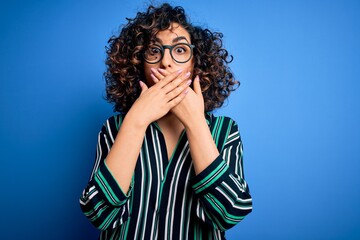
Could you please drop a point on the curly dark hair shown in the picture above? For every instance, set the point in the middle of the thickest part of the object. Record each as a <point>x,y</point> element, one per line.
<point>125,63</point>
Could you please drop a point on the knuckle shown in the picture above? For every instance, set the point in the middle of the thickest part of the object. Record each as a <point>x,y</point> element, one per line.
<point>171,95</point>
<point>179,90</point>
<point>172,104</point>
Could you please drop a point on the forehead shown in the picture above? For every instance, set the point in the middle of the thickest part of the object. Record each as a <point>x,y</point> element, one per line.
<point>173,32</point>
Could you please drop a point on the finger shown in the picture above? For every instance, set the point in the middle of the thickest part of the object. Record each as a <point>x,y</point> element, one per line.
<point>143,87</point>
<point>156,73</point>
<point>178,90</point>
<point>197,87</point>
<point>169,78</point>
<point>175,101</point>
<point>176,82</point>
<point>163,72</point>
<point>155,79</point>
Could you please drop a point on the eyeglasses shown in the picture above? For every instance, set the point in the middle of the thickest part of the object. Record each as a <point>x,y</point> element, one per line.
<point>180,52</point>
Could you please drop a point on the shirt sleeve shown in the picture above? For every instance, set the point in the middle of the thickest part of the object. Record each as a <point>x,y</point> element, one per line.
<point>223,194</point>
<point>102,201</point>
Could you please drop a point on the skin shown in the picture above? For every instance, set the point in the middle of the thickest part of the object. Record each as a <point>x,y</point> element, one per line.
<point>166,98</point>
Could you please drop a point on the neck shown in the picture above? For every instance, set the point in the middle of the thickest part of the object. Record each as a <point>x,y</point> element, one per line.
<point>170,121</point>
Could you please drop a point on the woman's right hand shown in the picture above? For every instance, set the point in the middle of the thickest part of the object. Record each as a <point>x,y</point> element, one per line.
<point>156,101</point>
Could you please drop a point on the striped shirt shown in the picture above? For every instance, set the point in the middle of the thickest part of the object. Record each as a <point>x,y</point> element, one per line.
<point>166,200</point>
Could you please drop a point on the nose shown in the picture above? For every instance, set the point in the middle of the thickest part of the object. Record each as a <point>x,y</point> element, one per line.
<point>166,61</point>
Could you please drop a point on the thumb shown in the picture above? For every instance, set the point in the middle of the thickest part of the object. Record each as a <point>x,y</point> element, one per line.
<point>197,87</point>
<point>143,87</point>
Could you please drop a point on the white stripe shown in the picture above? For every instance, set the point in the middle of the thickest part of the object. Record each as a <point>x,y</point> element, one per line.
<point>226,155</point>
<point>107,190</point>
<point>141,197</point>
<point>189,202</point>
<point>148,188</point>
<point>231,135</point>
<point>92,195</point>
<point>159,179</point>
<point>212,177</point>
<point>234,193</point>
<point>237,159</point>
<point>240,151</point>
<point>91,188</point>
<point>241,186</point>
<point>238,200</point>
<point>182,222</point>
<point>98,157</point>
<point>159,156</point>
<point>223,211</point>
<point>99,212</point>
<point>109,131</point>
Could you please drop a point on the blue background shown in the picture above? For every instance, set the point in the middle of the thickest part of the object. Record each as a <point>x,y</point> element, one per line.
<point>297,108</point>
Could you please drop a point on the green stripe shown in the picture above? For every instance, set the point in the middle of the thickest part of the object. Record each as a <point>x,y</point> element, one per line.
<point>107,186</point>
<point>98,214</point>
<point>118,121</point>
<point>214,128</point>
<point>94,208</point>
<point>213,180</point>
<point>227,134</point>
<point>216,223</point>
<point>219,131</point>
<point>157,126</point>
<point>186,213</point>
<point>210,175</point>
<point>211,199</point>
<point>107,220</point>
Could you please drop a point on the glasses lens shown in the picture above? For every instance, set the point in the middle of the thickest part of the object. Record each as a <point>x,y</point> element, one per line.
<point>153,53</point>
<point>181,52</point>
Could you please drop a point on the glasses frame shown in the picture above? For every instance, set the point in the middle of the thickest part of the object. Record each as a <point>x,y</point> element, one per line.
<point>171,47</point>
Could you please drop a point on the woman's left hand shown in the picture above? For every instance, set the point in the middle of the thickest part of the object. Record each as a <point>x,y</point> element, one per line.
<point>191,108</point>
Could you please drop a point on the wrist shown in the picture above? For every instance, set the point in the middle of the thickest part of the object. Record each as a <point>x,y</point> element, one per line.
<point>136,120</point>
<point>196,123</point>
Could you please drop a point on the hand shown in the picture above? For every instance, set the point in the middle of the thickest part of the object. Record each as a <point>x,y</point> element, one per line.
<point>156,101</point>
<point>191,108</point>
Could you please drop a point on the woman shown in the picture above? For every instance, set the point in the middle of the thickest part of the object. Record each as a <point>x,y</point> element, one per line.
<point>166,168</point>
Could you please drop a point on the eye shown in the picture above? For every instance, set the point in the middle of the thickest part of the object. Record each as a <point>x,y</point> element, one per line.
<point>180,50</point>
<point>153,50</point>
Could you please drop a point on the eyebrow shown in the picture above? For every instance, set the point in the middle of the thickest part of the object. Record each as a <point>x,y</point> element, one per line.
<point>175,40</point>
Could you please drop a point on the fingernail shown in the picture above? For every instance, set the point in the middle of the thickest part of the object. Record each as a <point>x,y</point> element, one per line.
<point>161,70</point>
<point>197,78</point>
<point>180,71</point>
<point>187,74</point>
<point>152,70</point>
<point>188,82</point>
<point>186,91</point>
<point>153,76</point>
